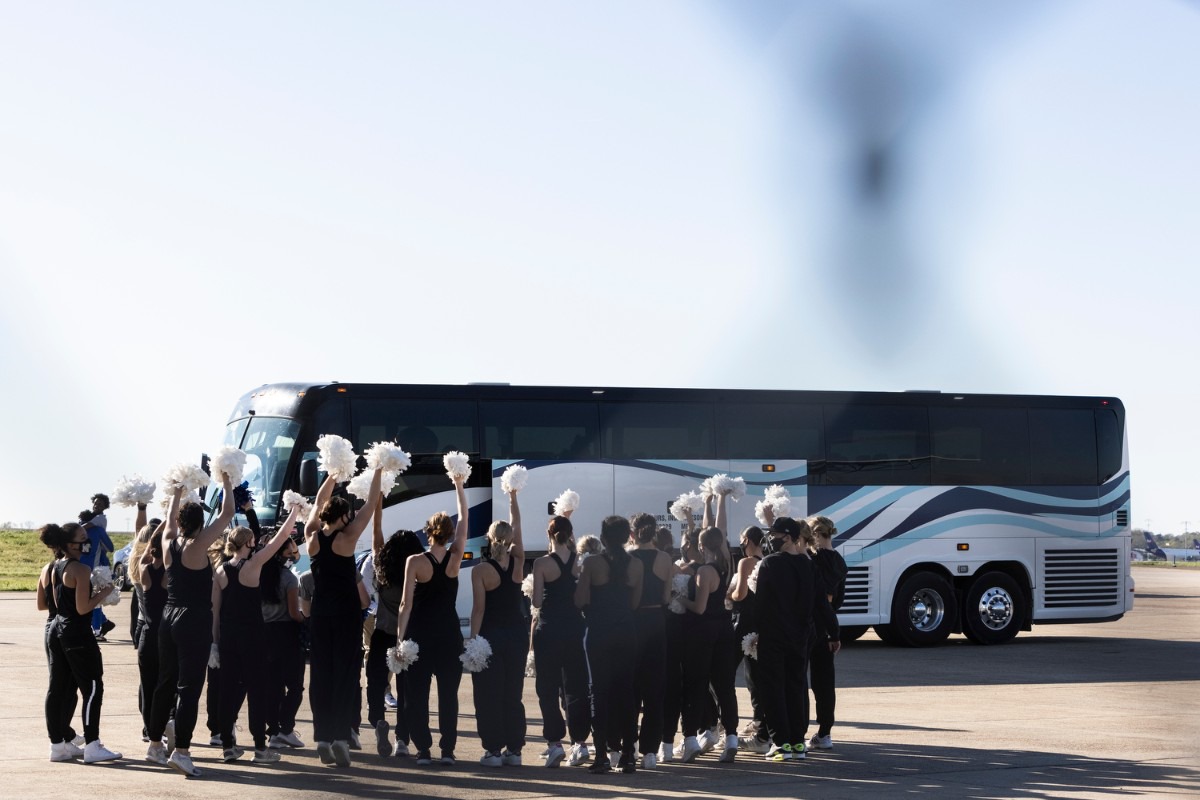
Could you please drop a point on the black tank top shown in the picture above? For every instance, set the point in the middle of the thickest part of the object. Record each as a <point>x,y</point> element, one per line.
<point>151,601</point>
<point>558,609</point>
<point>434,615</point>
<point>188,588</point>
<point>652,585</point>
<point>502,608</point>
<point>743,610</point>
<point>335,589</point>
<point>240,605</point>
<point>609,606</point>
<point>69,623</point>
<point>715,607</point>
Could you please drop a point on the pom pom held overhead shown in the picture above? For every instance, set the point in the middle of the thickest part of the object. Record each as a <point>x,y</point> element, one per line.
<point>514,479</point>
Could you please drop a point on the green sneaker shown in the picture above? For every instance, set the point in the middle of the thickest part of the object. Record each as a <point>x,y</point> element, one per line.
<point>799,751</point>
<point>780,753</point>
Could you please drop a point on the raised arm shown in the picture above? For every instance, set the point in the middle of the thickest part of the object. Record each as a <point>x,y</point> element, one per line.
<point>722,518</point>
<point>359,523</point>
<point>313,523</point>
<point>707,521</point>
<point>172,523</point>
<point>255,563</point>
<point>377,527</point>
<point>460,531</point>
<point>518,545</point>
<point>214,529</point>
<point>139,521</point>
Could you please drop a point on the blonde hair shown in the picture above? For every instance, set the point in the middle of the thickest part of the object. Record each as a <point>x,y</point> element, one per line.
<point>806,534</point>
<point>439,529</point>
<point>822,527</point>
<point>500,536</point>
<point>238,538</point>
<point>588,544</point>
<point>140,543</point>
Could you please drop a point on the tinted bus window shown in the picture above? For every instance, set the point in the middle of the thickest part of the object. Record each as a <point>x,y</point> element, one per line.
<point>876,445</point>
<point>540,430</point>
<point>1062,446</point>
<point>419,426</point>
<point>980,446</point>
<point>761,430</point>
<point>658,430</point>
<point>1109,441</point>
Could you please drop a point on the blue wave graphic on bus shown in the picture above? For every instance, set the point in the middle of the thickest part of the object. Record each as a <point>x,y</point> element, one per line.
<point>795,480</point>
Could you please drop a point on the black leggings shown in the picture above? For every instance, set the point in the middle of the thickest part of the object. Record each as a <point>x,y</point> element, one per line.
<point>68,707</point>
<point>242,650</point>
<point>146,640</point>
<point>75,665</point>
<point>562,681</point>
<point>378,676</point>
<point>611,659</point>
<point>710,661</point>
<point>499,711</point>
<point>436,658</point>
<point>821,678</point>
<point>184,639</point>
<point>334,668</point>
<point>284,668</point>
<point>650,673</point>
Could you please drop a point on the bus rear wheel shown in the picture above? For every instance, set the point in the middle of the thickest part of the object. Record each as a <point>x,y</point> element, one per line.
<point>924,611</point>
<point>993,609</point>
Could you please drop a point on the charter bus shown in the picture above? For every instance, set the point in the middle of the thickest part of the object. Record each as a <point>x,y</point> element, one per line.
<point>971,513</point>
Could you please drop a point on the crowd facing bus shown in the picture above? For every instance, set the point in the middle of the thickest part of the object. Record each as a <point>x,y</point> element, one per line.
<point>633,646</point>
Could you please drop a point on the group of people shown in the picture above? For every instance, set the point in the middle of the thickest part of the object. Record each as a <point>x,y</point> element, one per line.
<point>627,645</point>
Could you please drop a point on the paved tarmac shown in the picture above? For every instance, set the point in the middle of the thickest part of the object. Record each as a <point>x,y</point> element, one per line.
<point>1072,711</point>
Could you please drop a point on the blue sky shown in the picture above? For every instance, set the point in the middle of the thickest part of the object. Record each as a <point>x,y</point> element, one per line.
<point>198,200</point>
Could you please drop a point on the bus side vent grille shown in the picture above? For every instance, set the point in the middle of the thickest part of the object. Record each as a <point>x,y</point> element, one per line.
<point>858,591</point>
<point>1082,578</point>
<point>1123,518</point>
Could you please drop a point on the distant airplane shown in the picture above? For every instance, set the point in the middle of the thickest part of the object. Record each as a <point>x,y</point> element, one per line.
<point>1152,547</point>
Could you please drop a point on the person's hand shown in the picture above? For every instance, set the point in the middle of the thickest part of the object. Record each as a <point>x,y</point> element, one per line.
<point>835,646</point>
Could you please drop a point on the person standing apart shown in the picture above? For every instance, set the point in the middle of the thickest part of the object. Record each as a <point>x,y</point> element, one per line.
<point>831,570</point>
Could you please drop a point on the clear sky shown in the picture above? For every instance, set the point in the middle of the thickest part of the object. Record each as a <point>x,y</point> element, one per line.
<point>198,199</point>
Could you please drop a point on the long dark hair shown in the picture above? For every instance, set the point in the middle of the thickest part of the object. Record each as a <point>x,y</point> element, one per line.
<point>389,566</point>
<point>614,533</point>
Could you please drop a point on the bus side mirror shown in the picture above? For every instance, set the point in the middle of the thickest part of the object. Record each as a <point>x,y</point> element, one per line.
<point>308,477</point>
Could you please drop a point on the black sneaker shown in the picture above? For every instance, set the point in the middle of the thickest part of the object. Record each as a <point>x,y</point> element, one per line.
<point>601,765</point>
<point>107,626</point>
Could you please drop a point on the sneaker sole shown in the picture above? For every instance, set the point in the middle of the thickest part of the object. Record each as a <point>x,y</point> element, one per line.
<point>195,773</point>
<point>554,761</point>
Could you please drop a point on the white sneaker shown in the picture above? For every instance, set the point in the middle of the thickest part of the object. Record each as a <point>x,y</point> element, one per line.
<point>325,752</point>
<point>169,736</point>
<point>57,753</point>
<point>511,759</point>
<point>231,754</point>
<point>266,756</point>
<point>555,755</point>
<point>708,740</point>
<point>72,750</point>
<point>156,754</point>
<point>289,739</point>
<point>754,744</point>
<point>95,752</point>
<point>79,741</point>
<point>614,758</point>
<point>751,728</point>
<point>491,760</point>
<point>400,750</point>
<point>213,741</point>
<point>666,753</point>
<point>341,752</point>
<point>354,743</point>
<point>677,750</point>
<point>821,742</point>
<point>183,763</point>
<point>389,699</point>
<point>779,753</point>
<point>579,754</point>
<point>691,749</point>
<point>730,751</point>
<point>649,761</point>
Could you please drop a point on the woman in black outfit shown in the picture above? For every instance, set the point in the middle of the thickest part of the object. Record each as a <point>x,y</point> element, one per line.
<point>498,615</point>
<point>710,650</point>
<point>428,617</point>
<point>70,747</point>
<point>650,629</point>
<point>741,598</point>
<point>185,632</point>
<point>241,636</point>
<point>391,557</point>
<point>75,662</point>
<point>149,578</point>
<point>285,659</point>
<point>335,659</point>
<point>831,571</point>
<point>609,588</point>
<point>561,681</point>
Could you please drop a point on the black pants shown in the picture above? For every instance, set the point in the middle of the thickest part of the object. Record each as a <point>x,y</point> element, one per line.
<point>821,678</point>
<point>335,664</point>
<point>611,660</point>
<point>650,673</point>
<point>710,668</point>
<point>562,682</point>
<point>783,688</point>
<point>378,677</point>
<point>184,639</point>
<point>243,655</point>
<point>75,666</point>
<point>212,700</point>
<point>284,668</point>
<point>499,710</point>
<point>145,638</point>
<point>69,704</point>
<point>437,658</point>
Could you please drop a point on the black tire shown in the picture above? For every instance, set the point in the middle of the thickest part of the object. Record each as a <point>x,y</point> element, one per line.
<point>851,633</point>
<point>993,609</point>
<point>924,610</point>
<point>887,634</point>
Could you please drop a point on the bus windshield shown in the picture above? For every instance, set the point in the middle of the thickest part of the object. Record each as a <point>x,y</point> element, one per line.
<point>268,443</point>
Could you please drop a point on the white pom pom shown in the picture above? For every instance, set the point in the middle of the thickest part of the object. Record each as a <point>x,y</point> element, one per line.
<point>388,457</point>
<point>457,465</point>
<point>360,484</point>
<point>750,645</point>
<point>101,577</point>
<point>686,505</point>
<point>527,586</point>
<point>566,502</point>
<point>707,489</point>
<point>760,511</point>
<point>336,456</point>
<point>679,592</point>
<point>739,489</point>
<point>530,665</point>
<point>403,655</point>
<point>776,498</point>
<point>752,581</point>
<point>476,653</point>
<point>297,501</point>
<point>188,476</point>
<point>776,490</point>
<point>131,491</point>
<point>229,461</point>
<point>190,496</point>
<point>514,479</point>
